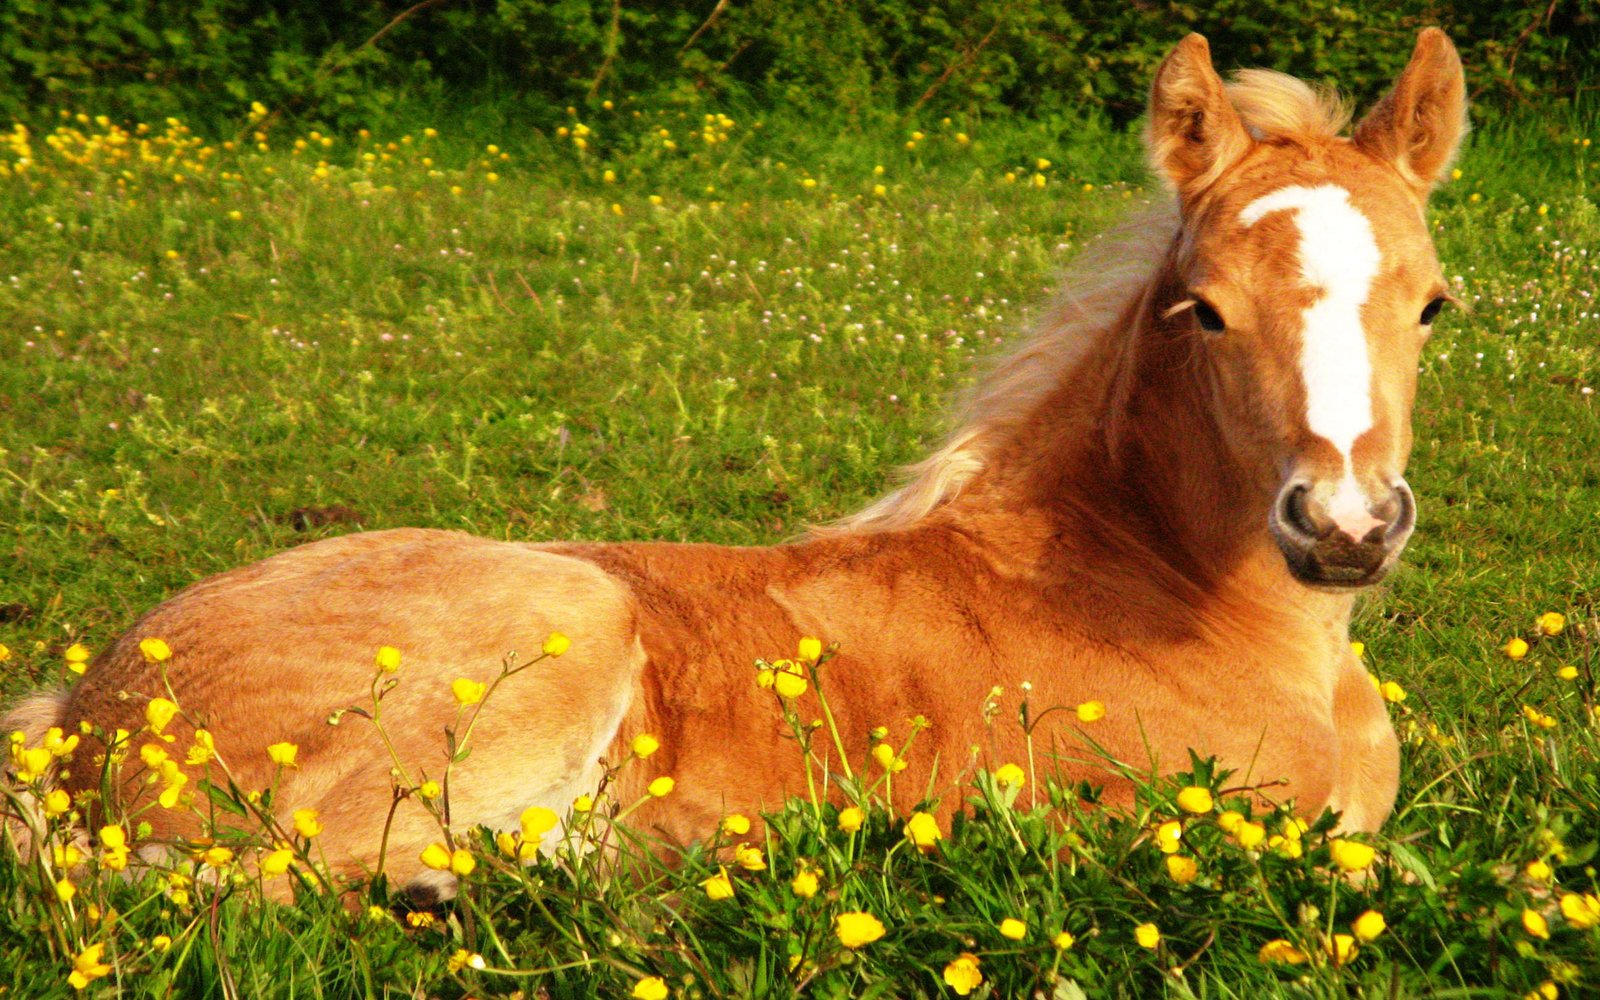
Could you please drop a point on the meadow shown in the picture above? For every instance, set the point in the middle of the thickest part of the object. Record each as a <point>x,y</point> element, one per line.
<point>709,325</point>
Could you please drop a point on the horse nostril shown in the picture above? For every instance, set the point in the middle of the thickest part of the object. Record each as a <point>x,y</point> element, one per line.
<point>1405,511</point>
<point>1294,514</point>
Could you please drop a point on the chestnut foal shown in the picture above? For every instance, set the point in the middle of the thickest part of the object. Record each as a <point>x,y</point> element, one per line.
<point>1165,501</point>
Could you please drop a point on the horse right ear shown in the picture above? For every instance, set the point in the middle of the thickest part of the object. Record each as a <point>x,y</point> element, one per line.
<point>1418,126</point>
<point>1194,133</point>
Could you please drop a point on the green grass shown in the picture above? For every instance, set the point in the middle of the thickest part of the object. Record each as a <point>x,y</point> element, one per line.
<point>201,372</point>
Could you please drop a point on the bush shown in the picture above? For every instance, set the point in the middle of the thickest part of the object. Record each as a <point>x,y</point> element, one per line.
<point>349,62</point>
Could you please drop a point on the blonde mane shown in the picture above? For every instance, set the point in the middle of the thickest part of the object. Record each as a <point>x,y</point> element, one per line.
<point>1095,293</point>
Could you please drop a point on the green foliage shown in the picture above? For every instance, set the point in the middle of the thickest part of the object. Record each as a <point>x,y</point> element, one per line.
<point>350,63</point>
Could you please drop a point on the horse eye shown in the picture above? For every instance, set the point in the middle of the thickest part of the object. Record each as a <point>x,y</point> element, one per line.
<point>1210,321</point>
<point>1431,311</point>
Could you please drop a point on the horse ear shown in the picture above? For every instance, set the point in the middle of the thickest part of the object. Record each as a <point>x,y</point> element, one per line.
<point>1418,125</point>
<point>1194,133</point>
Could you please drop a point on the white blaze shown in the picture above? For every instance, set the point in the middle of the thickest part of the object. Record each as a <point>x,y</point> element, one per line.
<point>1339,258</point>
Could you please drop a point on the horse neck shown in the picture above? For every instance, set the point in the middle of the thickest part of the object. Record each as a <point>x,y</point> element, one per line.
<point>1125,468</point>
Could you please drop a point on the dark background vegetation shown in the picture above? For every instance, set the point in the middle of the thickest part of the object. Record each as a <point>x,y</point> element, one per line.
<point>354,62</point>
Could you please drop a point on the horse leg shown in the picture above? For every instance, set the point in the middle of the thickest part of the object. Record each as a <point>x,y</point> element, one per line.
<point>1369,754</point>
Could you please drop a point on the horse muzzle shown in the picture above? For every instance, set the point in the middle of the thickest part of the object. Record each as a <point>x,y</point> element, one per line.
<point>1333,537</point>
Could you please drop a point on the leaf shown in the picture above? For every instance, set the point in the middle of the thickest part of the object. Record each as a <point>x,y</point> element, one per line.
<point>223,798</point>
<point>1412,862</point>
<point>1068,989</point>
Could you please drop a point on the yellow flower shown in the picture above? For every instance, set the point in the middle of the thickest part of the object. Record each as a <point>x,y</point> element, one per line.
<point>1195,799</point>
<point>556,644</point>
<point>1368,926</point>
<point>789,683</point>
<point>644,745</point>
<point>1516,649</point>
<point>1351,855</point>
<point>536,821</point>
<point>1582,912</point>
<point>749,858</point>
<point>56,802</point>
<point>57,743</point>
<point>436,857</point>
<point>1148,935</point>
<point>283,754</point>
<point>662,786</point>
<point>65,890</point>
<point>1546,990</point>
<point>1535,924</point>
<point>1568,673</point>
<point>583,803</point>
<point>77,656</point>
<point>804,884</point>
<point>1538,718</point>
<point>172,781</point>
<point>1063,941</point>
<point>1010,775</point>
<point>5,652</point>
<point>216,857</point>
<point>856,930</point>
<point>851,818</point>
<point>1250,835</point>
<point>277,862</point>
<point>1183,869</point>
<point>923,831</point>
<point>810,648</point>
<point>204,749</point>
<point>1392,692</point>
<point>29,764</point>
<point>1280,951</point>
<point>467,691</point>
<point>161,942</point>
<point>878,190</point>
<point>1013,929</point>
<point>884,754</point>
<point>735,825</point>
<point>1230,821</point>
<point>158,713</point>
<point>1358,648</point>
<point>464,959</point>
<point>718,887</point>
<point>962,975</point>
<point>388,659</point>
<point>462,862</point>
<point>1091,711</point>
<point>306,823</point>
<point>157,651</point>
<point>650,988</point>
<point>430,789</point>
<point>87,967</point>
<point>1342,948</point>
<point>1538,870</point>
<point>1551,622</point>
<point>1167,836</point>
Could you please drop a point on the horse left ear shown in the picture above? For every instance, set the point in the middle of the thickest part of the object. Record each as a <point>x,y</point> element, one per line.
<point>1194,133</point>
<point>1419,125</point>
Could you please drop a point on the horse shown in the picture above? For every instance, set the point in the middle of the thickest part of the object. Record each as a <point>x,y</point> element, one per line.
<point>1165,501</point>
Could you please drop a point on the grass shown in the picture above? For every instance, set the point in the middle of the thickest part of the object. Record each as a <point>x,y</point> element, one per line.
<point>216,351</point>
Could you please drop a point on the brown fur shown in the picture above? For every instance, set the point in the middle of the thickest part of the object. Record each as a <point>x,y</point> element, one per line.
<point>1097,529</point>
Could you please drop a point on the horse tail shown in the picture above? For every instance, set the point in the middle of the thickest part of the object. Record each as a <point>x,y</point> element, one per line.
<point>21,813</point>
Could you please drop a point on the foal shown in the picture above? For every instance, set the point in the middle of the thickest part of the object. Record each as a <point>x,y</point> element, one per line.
<point>1164,502</point>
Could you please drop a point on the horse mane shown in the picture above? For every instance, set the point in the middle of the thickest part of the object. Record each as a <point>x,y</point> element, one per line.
<point>1094,297</point>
